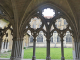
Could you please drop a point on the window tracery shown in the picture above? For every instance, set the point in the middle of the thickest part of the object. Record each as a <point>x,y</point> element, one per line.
<point>35,23</point>
<point>47,24</point>
<point>48,13</point>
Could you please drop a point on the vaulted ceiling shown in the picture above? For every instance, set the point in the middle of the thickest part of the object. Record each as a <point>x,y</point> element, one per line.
<point>18,10</point>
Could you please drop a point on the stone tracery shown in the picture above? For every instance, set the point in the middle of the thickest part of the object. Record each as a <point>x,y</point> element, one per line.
<point>48,32</point>
<point>48,26</point>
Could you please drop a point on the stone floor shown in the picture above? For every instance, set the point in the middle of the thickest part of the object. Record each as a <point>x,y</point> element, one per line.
<point>31,59</point>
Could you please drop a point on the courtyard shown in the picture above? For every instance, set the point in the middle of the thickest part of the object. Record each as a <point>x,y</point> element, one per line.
<point>55,53</point>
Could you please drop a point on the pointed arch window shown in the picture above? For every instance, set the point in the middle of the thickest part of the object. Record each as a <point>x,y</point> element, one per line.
<point>4,44</point>
<point>31,38</point>
<point>7,44</point>
<point>68,38</point>
<point>51,39</point>
<point>40,38</point>
<point>58,39</point>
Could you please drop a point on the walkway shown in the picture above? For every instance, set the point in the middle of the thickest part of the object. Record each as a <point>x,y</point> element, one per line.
<point>31,59</point>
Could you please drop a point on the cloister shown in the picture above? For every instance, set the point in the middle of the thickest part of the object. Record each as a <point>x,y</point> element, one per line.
<point>33,16</point>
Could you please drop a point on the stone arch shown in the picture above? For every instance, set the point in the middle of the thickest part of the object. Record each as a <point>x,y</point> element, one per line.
<point>35,10</point>
<point>47,32</point>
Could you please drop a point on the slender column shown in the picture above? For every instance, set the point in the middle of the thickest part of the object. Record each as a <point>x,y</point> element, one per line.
<point>75,50</point>
<point>48,50</point>
<point>16,50</point>
<point>79,49</point>
<point>62,50</point>
<point>34,47</point>
<point>0,44</point>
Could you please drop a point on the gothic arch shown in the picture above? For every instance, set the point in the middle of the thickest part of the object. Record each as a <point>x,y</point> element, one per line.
<point>44,6</point>
<point>37,14</point>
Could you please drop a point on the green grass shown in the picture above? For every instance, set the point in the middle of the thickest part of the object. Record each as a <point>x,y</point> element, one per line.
<point>55,53</point>
<point>5,55</point>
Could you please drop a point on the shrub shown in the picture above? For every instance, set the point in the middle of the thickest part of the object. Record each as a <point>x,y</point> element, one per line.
<point>24,47</point>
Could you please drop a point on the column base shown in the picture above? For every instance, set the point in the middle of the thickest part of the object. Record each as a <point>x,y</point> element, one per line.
<point>73,55</point>
<point>34,58</point>
<point>13,58</point>
<point>62,58</point>
<point>48,58</point>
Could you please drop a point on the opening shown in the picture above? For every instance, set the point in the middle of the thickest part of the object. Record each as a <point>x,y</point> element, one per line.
<point>27,51</point>
<point>35,23</point>
<point>3,23</point>
<point>61,23</point>
<point>6,47</point>
<point>48,13</point>
<point>68,45</point>
<point>40,46</point>
<point>55,50</point>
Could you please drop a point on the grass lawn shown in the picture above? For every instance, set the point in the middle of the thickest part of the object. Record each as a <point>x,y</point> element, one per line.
<point>5,55</point>
<point>55,53</point>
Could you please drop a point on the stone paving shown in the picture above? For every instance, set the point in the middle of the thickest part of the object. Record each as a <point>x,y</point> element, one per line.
<point>31,59</point>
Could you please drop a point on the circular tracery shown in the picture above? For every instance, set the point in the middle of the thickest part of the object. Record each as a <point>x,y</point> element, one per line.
<point>35,23</point>
<point>48,13</point>
<point>61,23</point>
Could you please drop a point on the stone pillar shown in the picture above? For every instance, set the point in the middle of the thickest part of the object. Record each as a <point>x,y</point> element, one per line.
<point>0,44</point>
<point>62,50</point>
<point>48,50</point>
<point>77,50</point>
<point>34,47</point>
<point>73,43</point>
<point>16,50</point>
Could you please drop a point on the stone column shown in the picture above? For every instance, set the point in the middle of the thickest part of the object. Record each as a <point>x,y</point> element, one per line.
<point>62,50</point>
<point>16,49</point>
<point>34,47</point>
<point>48,50</point>
<point>77,50</point>
<point>0,44</point>
<point>73,43</point>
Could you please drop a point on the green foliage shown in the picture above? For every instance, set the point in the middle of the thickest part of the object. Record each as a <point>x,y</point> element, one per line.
<point>9,51</point>
<point>24,47</point>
